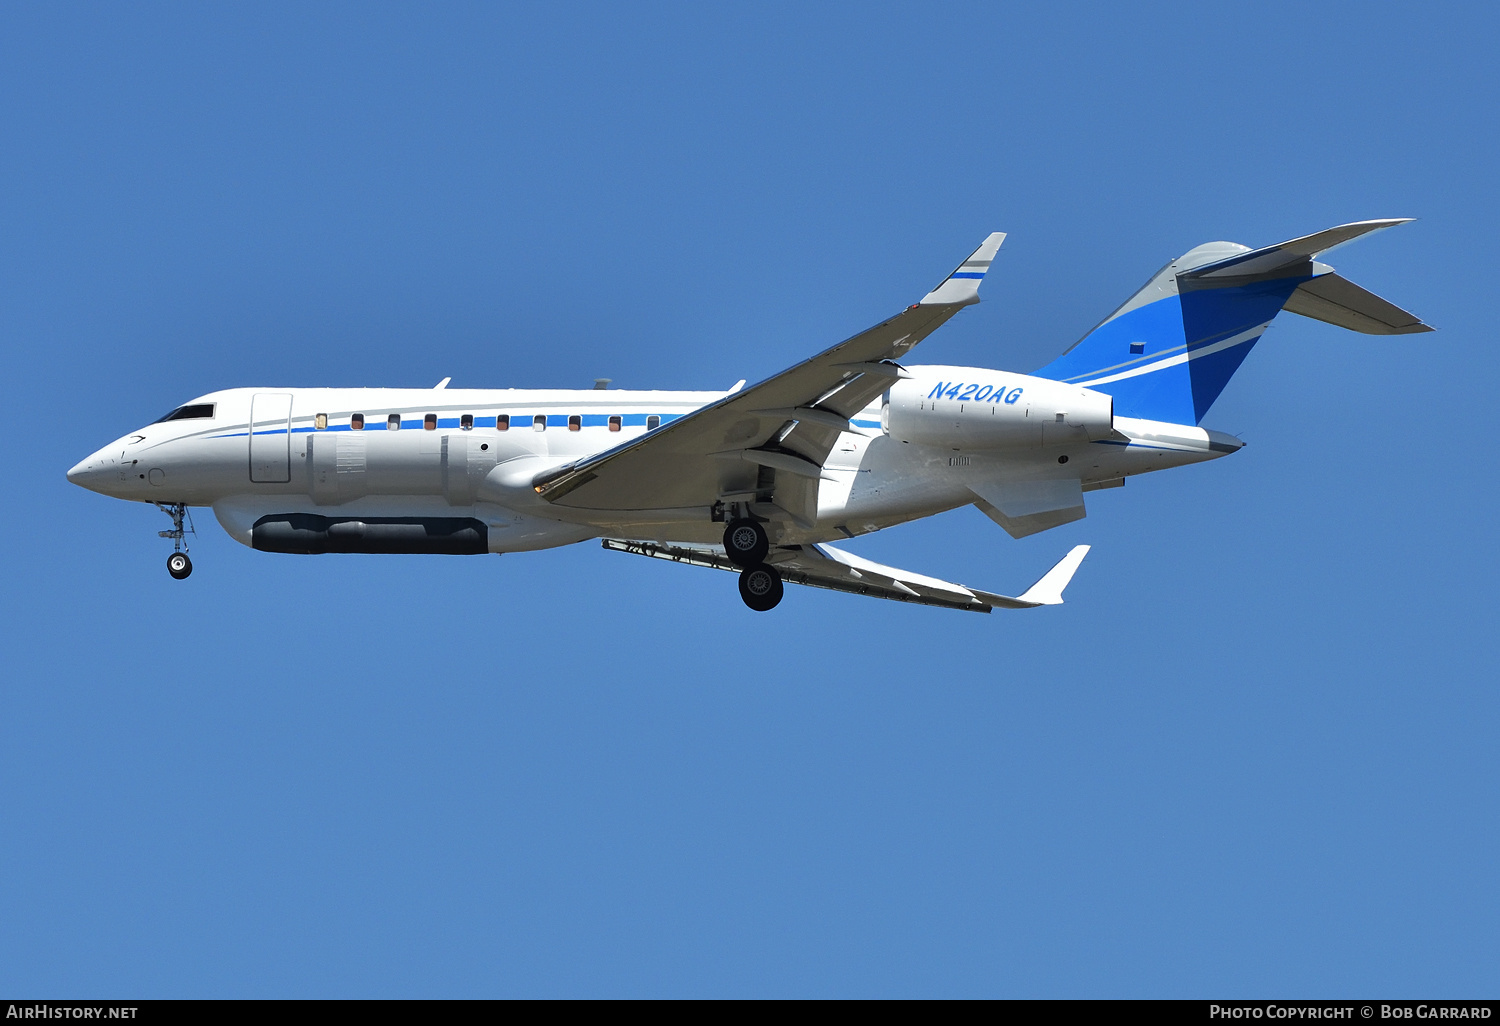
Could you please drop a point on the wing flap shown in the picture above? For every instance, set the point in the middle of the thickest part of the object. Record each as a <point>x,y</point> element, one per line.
<point>1025,508</point>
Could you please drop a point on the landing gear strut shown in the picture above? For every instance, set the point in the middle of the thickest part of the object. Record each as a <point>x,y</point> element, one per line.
<point>745,543</point>
<point>178,564</point>
<point>760,587</point>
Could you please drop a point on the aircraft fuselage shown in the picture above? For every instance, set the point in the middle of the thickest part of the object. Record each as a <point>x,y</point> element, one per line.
<point>472,454</point>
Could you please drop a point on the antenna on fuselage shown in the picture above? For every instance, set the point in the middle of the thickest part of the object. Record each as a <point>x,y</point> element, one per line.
<point>600,384</point>
<point>443,383</point>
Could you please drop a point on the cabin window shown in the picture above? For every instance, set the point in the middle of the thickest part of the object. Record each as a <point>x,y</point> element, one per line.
<point>539,423</point>
<point>320,422</point>
<point>393,422</point>
<point>198,411</point>
<point>575,422</point>
<point>357,422</point>
<point>502,422</point>
<point>466,422</point>
<point>429,422</point>
<point>653,422</point>
<point>1137,347</point>
<point>614,423</point>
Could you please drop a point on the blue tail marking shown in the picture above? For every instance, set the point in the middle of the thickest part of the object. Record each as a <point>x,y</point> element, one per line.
<point>1168,352</point>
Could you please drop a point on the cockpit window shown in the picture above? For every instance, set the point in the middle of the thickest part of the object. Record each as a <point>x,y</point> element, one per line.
<point>197,411</point>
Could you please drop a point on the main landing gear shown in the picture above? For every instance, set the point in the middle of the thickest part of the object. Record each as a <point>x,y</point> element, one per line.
<point>760,587</point>
<point>746,545</point>
<point>178,564</point>
<point>745,542</point>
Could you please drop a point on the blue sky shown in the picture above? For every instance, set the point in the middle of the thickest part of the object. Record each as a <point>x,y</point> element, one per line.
<point>1253,755</point>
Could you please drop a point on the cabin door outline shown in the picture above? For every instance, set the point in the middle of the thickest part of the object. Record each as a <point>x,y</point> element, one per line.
<point>271,438</point>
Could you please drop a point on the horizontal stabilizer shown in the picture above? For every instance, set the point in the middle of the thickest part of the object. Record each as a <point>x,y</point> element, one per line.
<point>962,286</point>
<point>823,566</point>
<point>1337,300</point>
<point>1284,255</point>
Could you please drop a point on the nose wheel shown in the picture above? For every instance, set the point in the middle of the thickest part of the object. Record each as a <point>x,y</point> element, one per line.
<point>178,564</point>
<point>760,587</point>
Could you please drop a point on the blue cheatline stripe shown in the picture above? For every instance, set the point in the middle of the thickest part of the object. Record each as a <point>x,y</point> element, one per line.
<point>517,421</point>
<point>966,274</point>
<point>589,420</point>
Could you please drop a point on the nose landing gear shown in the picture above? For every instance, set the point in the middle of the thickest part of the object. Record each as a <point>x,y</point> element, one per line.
<point>178,564</point>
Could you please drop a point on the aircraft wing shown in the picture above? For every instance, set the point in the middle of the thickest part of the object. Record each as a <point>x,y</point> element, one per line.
<point>823,566</point>
<point>770,440</point>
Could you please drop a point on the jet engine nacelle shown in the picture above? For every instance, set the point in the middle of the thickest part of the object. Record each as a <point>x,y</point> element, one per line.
<point>974,408</point>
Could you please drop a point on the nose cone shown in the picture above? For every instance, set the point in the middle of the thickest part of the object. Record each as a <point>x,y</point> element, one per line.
<point>90,473</point>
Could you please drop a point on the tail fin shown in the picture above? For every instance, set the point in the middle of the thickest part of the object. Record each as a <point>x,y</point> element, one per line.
<point>1170,350</point>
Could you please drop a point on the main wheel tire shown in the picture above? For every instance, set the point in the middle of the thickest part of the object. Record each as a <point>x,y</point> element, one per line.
<point>760,587</point>
<point>178,565</point>
<point>745,542</point>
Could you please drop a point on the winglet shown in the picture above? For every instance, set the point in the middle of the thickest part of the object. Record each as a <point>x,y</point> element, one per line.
<point>962,286</point>
<point>1048,591</point>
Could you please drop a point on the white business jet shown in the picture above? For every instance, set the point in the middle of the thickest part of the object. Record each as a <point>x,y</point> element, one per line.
<point>755,480</point>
